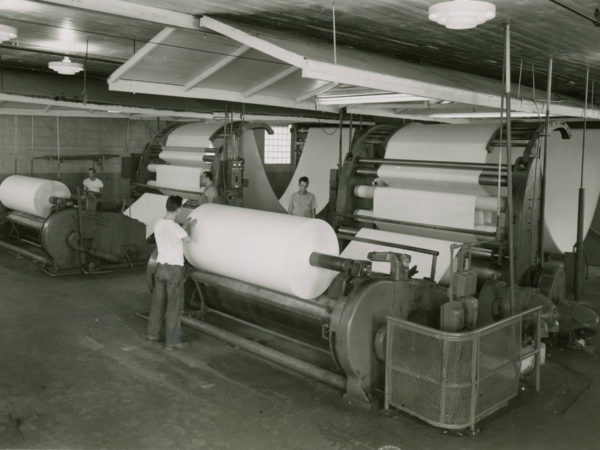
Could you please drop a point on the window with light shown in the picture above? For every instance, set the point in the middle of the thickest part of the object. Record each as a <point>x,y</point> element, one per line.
<point>278,146</point>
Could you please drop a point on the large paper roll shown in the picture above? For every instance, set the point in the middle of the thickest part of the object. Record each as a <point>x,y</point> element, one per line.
<point>31,195</point>
<point>177,177</point>
<point>467,143</point>
<point>193,135</point>
<point>190,158</point>
<point>262,248</point>
<point>445,143</point>
<point>432,208</point>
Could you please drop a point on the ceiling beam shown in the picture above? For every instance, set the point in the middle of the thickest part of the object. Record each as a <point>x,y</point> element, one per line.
<point>132,10</point>
<point>220,64</point>
<point>141,53</point>
<point>315,92</point>
<point>360,77</point>
<point>270,81</point>
<point>102,108</point>
<point>276,51</point>
<point>145,87</point>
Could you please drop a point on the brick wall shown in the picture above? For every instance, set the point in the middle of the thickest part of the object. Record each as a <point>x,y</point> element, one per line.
<point>23,138</point>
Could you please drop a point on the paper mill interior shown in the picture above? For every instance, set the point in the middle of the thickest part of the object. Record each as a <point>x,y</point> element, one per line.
<point>320,224</point>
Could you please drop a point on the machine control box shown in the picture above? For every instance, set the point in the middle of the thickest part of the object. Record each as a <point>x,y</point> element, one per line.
<point>464,283</point>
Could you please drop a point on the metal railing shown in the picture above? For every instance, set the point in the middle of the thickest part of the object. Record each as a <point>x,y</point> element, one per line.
<point>453,380</point>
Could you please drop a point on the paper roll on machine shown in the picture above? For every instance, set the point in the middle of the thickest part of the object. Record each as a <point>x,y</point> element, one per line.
<point>64,233</point>
<point>448,349</point>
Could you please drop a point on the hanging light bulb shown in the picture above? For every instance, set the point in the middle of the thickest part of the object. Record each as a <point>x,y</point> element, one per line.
<point>462,14</point>
<point>7,33</point>
<point>66,66</point>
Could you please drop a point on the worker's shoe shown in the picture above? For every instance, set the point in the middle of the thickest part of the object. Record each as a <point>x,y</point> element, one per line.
<point>179,346</point>
<point>150,340</point>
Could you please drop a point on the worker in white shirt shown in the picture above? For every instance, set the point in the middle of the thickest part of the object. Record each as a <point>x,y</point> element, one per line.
<point>167,297</point>
<point>93,184</point>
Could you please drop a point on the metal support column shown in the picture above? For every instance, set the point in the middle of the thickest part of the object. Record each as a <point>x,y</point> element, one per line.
<point>544,158</point>
<point>510,212</point>
<point>579,257</point>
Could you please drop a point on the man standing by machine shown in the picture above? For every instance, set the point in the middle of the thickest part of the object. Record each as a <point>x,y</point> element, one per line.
<point>303,203</point>
<point>167,298</point>
<point>93,184</point>
<point>210,194</point>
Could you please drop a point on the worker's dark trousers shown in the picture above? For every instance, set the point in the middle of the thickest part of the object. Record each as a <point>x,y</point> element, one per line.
<point>167,303</point>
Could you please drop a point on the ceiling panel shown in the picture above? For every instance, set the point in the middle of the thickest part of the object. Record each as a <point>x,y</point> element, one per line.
<point>401,28</point>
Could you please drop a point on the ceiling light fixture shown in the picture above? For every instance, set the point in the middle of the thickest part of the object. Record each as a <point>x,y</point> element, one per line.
<point>462,14</point>
<point>66,66</point>
<point>363,99</point>
<point>7,33</point>
<point>484,115</point>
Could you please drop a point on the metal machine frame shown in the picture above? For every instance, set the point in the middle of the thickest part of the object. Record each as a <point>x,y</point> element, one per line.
<point>76,238</point>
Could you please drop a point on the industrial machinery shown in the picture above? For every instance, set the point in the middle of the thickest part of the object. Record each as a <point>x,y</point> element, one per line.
<point>207,147</point>
<point>346,324</point>
<point>463,293</point>
<point>70,236</point>
<point>536,280</point>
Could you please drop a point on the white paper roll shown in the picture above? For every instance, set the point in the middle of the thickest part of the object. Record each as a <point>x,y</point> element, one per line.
<point>193,135</point>
<point>31,195</point>
<point>467,143</point>
<point>364,191</point>
<point>446,143</point>
<point>178,177</point>
<point>185,158</point>
<point>431,208</point>
<point>262,248</point>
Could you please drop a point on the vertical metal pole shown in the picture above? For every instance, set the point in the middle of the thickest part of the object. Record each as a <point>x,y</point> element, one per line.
<point>538,346</point>
<point>579,259</point>
<point>350,135</point>
<point>340,149</point>
<point>32,149</point>
<point>334,33</point>
<point>510,219</point>
<point>57,147</point>
<point>499,186</point>
<point>544,157</point>
<point>474,382</point>
<point>16,144</point>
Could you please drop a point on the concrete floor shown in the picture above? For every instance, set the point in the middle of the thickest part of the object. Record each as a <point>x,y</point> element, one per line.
<point>76,373</point>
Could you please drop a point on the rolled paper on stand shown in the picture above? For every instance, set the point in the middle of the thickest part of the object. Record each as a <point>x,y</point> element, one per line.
<point>178,177</point>
<point>185,158</point>
<point>273,251</point>
<point>31,195</point>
